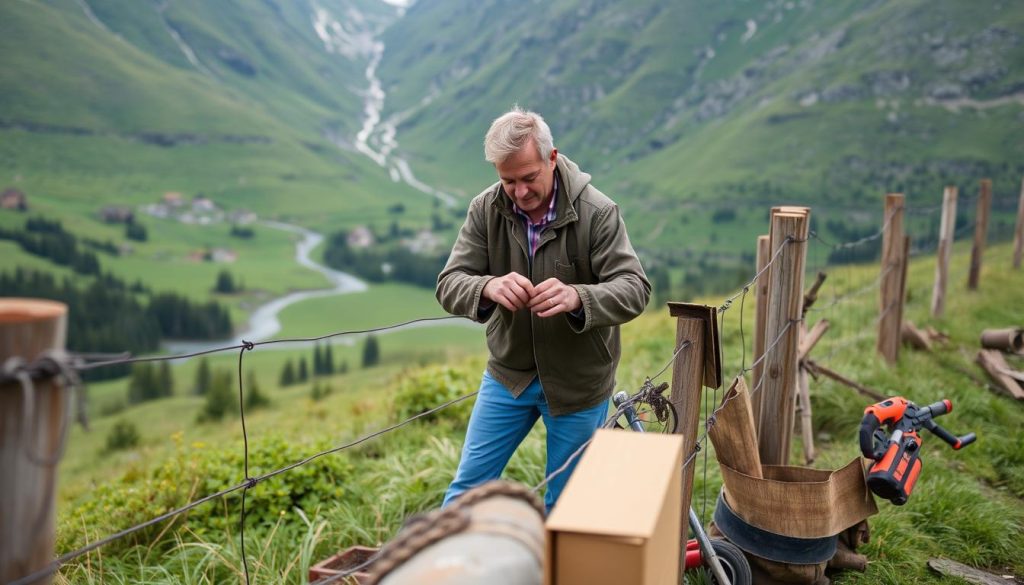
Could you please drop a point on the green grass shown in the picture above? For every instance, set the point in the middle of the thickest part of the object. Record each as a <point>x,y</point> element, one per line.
<point>381,304</point>
<point>969,505</point>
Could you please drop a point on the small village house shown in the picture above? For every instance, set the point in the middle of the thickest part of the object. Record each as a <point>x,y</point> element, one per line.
<point>13,199</point>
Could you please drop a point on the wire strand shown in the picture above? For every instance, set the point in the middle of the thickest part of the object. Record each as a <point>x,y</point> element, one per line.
<point>249,344</point>
<point>249,483</point>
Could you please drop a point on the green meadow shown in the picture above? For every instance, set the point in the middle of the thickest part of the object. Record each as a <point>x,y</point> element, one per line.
<point>968,506</point>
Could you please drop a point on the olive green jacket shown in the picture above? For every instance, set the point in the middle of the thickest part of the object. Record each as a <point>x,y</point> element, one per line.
<point>586,246</point>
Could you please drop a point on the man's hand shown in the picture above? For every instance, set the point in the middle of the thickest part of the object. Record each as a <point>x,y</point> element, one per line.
<point>512,291</point>
<point>552,297</point>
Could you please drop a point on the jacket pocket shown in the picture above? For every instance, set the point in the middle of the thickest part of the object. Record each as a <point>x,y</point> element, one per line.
<point>566,272</point>
<point>601,345</point>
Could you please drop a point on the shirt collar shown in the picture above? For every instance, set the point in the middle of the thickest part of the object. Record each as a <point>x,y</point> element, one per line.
<point>552,206</point>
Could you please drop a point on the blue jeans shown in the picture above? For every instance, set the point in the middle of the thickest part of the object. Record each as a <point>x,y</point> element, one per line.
<point>498,425</point>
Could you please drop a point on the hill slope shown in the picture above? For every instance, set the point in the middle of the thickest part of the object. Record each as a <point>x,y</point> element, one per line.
<point>240,101</point>
<point>968,505</point>
<point>814,102</point>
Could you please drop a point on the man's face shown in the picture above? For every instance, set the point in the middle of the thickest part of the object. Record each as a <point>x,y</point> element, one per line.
<point>527,179</point>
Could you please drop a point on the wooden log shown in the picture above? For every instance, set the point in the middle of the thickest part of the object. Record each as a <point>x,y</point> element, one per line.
<point>945,252</point>
<point>993,362</point>
<point>811,296</point>
<point>764,251</point>
<point>687,383</point>
<point>28,327</point>
<point>808,341</point>
<point>817,368</point>
<point>950,568</point>
<point>1010,339</point>
<point>936,335</point>
<point>785,285</point>
<point>892,282</point>
<point>980,233</point>
<point>806,423</point>
<point>1018,232</point>
<point>914,337</point>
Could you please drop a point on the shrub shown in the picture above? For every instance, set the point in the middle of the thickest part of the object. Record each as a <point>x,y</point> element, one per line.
<point>197,471</point>
<point>431,387</point>
<point>123,435</point>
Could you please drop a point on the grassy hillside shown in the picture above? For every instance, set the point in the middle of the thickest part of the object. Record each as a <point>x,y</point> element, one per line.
<point>969,505</point>
<point>680,109</point>
<point>254,106</point>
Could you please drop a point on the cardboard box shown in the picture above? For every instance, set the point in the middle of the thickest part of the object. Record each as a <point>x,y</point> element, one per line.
<point>619,518</point>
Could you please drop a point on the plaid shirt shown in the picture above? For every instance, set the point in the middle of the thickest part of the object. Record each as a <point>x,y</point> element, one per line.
<point>533,230</point>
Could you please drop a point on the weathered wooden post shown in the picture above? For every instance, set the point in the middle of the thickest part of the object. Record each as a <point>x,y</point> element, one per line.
<point>785,293</point>
<point>891,297</point>
<point>945,251</point>
<point>980,232</point>
<point>760,314</point>
<point>808,339</point>
<point>687,382</point>
<point>1018,232</point>
<point>29,327</point>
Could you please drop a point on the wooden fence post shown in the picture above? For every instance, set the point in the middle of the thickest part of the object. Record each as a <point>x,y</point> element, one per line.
<point>891,297</point>
<point>760,315</point>
<point>945,251</point>
<point>1018,232</point>
<point>687,383</point>
<point>782,334</point>
<point>980,232</point>
<point>29,327</point>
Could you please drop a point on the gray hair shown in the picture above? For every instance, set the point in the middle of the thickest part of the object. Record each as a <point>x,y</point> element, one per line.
<point>512,130</point>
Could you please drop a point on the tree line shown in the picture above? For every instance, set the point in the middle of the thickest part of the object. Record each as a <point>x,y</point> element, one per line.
<point>48,239</point>
<point>109,316</point>
<point>323,363</point>
<point>383,263</point>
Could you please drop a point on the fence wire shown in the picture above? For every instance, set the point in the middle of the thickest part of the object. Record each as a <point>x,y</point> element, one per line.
<point>89,361</point>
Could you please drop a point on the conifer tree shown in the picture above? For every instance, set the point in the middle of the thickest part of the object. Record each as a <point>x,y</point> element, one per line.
<point>371,352</point>
<point>220,398</point>
<point>303,371</point>
<point>202,384</point>
<point>287,374</point>
<point>166,382</point>
<point>318,360</point>
<point>254,398</point>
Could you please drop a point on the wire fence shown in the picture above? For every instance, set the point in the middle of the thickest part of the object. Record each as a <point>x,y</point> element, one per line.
<point>52,365</point>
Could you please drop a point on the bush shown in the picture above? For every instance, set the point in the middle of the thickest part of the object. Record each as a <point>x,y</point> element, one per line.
<point>220,398</point>
<point>135,231</point>
<point>123,435</point>
<point>431,387</point>
<point>319,392</point>
<point>194,472</point>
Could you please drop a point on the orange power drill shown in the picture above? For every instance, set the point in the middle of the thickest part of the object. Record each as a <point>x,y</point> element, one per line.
<point>897,452</point>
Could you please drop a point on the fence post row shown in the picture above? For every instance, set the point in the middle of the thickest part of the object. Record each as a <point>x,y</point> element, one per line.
<point>776,400</point>
<point>687,382</point>
<point>945,251</point>
<point>29,446</point>
<point>1018,232</point>
<point>980,232</point>
<point>892,283</point>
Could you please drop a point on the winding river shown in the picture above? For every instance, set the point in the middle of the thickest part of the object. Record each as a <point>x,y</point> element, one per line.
<point>264,323</point>
<point>376,132</point>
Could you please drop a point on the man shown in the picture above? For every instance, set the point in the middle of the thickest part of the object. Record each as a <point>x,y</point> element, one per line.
<point>544,258</point>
